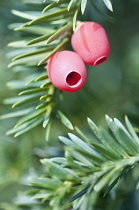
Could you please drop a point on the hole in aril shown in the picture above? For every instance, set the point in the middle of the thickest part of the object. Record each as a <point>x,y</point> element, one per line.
<point>73,78</point>
<point>100,60</point>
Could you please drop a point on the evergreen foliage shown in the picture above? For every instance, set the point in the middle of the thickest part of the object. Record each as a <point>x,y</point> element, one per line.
<point>93,166</point>
<point>91,169</point>
<point>48,31</point>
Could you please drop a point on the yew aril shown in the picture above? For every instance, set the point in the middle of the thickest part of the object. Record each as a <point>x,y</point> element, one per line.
<point>91,42</point>
<point>66,70</point>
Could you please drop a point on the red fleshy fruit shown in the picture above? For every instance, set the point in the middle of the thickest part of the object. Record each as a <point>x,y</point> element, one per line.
<point>67,71</point>
<point>91,42</point>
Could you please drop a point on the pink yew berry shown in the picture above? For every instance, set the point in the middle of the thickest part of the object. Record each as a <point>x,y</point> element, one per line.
<point>67,71</point>
<point>90,41</point>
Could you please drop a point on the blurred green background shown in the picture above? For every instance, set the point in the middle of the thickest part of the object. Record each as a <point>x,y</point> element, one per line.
<point>111,88</point>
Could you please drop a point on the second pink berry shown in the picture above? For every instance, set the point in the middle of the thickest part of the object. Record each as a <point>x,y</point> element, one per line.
<point>91,42</point>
